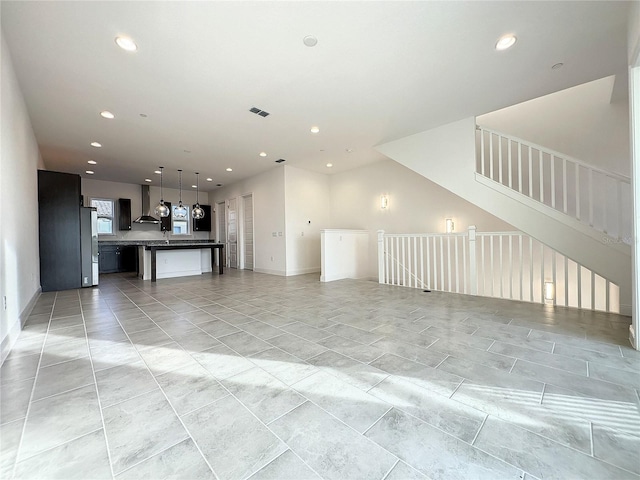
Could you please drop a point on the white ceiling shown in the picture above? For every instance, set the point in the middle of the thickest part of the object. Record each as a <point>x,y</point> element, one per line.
<point>380,71</point>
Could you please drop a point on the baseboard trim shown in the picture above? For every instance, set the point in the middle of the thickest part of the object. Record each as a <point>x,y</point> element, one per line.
<point>332,278</point>
<point>303,271</point>
<point>12,336</point>
<point>268,271</point>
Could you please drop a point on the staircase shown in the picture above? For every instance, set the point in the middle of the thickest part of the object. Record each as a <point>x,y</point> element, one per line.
<point>577,210</point>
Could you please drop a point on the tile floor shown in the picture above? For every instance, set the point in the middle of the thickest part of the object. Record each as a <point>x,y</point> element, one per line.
<point>263,377</point>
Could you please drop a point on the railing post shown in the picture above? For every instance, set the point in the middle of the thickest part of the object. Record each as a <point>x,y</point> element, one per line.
<point>473,270</point>
<point>381,256</point>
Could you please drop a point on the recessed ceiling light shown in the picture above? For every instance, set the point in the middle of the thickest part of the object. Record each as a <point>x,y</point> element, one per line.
<point>218,184</point>
<point>557,66</point>
<point>505,42</point>
<point>229,169</point>
<point>126,43</point>
<point>348,150</point>
<point>107,114</point>
<point>263,154</point>
<point>90,172</point>
<point>92,162</point>
<point>315,129</point>
<point>194,186</point>
<point>158,172</point>
<point>209,179</point>
<point>147,180</point>
<point>310,41</point>
<point>329,165</point>
<point>144,115</point>
<point>96,144</point>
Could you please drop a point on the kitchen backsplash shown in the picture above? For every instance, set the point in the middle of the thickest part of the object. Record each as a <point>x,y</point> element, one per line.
<point>152,232</point>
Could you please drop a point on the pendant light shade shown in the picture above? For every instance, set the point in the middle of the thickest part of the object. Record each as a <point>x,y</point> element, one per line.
<point>162,210</point>
<point>180,211</point>
<point>197,213</point>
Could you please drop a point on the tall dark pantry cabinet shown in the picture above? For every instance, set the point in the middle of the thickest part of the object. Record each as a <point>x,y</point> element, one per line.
<point>59,202</point>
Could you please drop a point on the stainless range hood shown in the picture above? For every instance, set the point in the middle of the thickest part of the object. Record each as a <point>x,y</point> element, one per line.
<point>146,208</point>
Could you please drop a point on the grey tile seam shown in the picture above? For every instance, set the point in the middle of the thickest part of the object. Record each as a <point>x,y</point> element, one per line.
<point>475,437</point>
<point>33,389</point>
<point>386,475</point>
<point>95,386</point>
<point>544,389</point>
<point>364,433</point>
<point>456,389</point>
<point>149,458</point>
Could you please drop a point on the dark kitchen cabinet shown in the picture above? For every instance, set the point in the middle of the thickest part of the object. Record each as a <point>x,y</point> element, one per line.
<point>59,202</point>
<point>204,224</point>
<point>108,259</point>
<point>124,214</point>
<point>165,222</point>
<point>116,258</point>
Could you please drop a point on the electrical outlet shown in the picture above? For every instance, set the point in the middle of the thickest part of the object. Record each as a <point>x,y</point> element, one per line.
<point>272,259</point>
<point>4,301</point>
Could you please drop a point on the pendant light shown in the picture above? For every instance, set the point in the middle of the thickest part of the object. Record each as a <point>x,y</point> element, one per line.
<point>180,211</point>
<point>197,211</point>
<point>162,210</point>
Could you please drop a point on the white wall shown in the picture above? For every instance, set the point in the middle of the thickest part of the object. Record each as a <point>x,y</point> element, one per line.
<point>416,205</point>
<point>269,216</point>
<point>345,254</point>
<point>307,197</point>
<point>101,189</point>
<point>580,122</point>
<point>287,198</point>
<point>19,248</point>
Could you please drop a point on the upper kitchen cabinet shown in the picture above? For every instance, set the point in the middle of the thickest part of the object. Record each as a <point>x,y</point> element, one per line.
<point>204,224</point>
<point>59,201</point>
<point>124,214</point>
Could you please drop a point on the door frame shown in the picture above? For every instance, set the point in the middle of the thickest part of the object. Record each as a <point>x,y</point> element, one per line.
<point>222,216</point>
<point>228,247</point>
<point>241,231</point>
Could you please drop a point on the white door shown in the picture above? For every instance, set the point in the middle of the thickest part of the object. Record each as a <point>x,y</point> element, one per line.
<point>221,222</point>
<point>247,230</point>
<point>232,232</point>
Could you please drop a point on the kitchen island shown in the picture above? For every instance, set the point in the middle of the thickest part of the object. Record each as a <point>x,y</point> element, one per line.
<point>184,245</point>
<point>176,258</point>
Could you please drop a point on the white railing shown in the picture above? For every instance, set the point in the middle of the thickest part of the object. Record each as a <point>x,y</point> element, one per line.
<point>508,265</point>
<point>594,196</point>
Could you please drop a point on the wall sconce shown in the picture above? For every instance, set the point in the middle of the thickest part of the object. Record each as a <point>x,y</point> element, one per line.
<point>449,225</point>
<point>384,201</point>
<point>549,291</point>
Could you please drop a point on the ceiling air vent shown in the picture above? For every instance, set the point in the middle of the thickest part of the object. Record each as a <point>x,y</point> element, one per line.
<point>280,160</point>
<point>257,111</point>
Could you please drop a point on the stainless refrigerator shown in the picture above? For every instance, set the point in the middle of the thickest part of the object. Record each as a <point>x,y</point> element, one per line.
<point>89,246</point>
